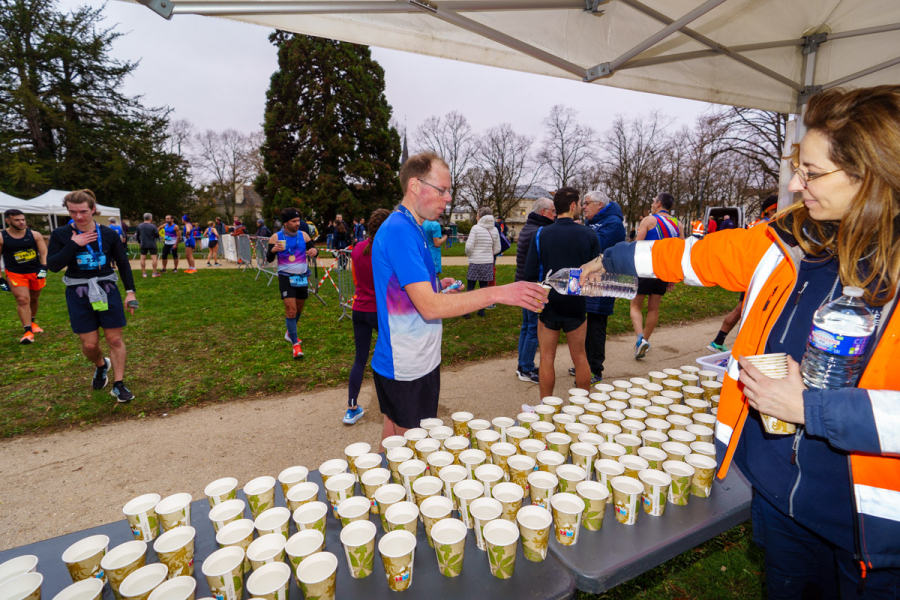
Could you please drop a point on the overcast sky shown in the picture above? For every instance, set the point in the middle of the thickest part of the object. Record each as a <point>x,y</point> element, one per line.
<point>215,73</point>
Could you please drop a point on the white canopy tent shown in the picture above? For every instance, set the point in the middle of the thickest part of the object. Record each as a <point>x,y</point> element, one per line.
<point>7,202</point>
<point>765,54</point>
<point>51,204</point>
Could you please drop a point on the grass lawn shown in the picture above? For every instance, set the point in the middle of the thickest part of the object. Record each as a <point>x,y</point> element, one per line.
<point>460,250</point>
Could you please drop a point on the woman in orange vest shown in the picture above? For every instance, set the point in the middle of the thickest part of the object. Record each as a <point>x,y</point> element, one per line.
<point>826,502</point>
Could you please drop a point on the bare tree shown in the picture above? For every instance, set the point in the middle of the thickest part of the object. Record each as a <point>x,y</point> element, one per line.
<point>223,162</point>
<point>180,136</point>
<point>452,139</point>
<point>568,147</point>
<point>757,135</point>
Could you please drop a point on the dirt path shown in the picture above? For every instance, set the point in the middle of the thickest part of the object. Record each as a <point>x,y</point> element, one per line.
<point>69,481</point>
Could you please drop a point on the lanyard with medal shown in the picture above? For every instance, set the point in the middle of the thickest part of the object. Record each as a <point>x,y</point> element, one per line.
<point>287,246</point>
<point>95,255</point>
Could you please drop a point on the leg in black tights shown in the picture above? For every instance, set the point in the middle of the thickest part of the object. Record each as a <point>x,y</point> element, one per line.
<point>363,326</point>
<point>470,285</point>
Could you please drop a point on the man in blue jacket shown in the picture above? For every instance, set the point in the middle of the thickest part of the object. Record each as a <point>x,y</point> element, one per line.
<point>605,218</point>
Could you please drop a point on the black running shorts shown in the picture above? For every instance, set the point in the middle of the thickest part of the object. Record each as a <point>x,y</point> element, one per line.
<point>289,291</point>
<point>648,286</point>
<point>151,251</point>
<point>406,403</point>
<point>170,251</point>
<point>82,316</point>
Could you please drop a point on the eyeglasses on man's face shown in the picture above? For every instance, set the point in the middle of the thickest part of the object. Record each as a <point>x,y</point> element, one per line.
<point>440,190</point>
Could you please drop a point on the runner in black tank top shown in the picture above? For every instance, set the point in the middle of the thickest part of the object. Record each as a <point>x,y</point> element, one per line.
<point>24,255</point>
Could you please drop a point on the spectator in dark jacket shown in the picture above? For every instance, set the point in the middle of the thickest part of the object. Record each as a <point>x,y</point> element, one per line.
<point>727,223</point>
<point>604,217</point>
<point>542,214</point>
<point>262,231</point>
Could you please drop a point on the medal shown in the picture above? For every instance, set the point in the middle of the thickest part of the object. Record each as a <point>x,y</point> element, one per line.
<point>292,258</point>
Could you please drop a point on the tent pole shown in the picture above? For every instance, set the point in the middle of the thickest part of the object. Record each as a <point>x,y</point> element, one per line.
<point>714,45</point>
<point>231,8</point>
<point>685,56</point>
<point>863,73</point>
<point>866,31</point>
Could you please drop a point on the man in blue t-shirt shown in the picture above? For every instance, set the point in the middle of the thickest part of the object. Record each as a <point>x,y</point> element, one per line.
<point>435,240</point>
<point>407,357</point>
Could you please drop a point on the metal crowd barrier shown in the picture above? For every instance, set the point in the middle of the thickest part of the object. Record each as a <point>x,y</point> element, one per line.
<point>244,252</point>
<point>263,267</point>
<point>133,248</point>
<point>340,273</point>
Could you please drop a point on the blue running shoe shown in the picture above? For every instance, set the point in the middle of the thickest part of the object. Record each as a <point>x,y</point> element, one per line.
<point>353,415</point>
<point>641,348</point>
<point>716,348</point>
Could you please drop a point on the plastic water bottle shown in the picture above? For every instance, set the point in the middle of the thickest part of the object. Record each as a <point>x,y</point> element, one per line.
<point>568,283</point>
<point>840,333</point>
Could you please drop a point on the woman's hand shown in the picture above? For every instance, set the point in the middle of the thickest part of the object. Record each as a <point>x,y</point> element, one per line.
<point>779,398</point>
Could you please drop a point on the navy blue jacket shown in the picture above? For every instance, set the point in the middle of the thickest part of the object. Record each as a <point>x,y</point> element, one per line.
<point>532,224</point>
<point>609,226</point>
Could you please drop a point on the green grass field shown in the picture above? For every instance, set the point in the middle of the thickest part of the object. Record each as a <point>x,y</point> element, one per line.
<point>460,250</point>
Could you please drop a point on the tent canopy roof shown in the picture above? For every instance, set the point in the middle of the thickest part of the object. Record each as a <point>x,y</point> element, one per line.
<point>765,54</point>
<point>51,203</point>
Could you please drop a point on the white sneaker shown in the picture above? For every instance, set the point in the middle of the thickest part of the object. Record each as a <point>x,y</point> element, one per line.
<point>287,338</point>
<point>527,408</point>
<point>641,348</point>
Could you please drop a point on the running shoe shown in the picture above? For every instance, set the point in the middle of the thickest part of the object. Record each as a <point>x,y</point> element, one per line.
<point>36,328</point>
<point>190,271</point>
<point>527,408</point>
<point>287,338</point>
<point>121,393</point>
<point>353,415</point>
<point>571,371</point>
<point>101,375</point>
<point>208,264</point>
<point>157,274</point>
<point>28,338</point>
<point>529,376</point>
<point>716,348</point>
<point>218,264</point>
<point>174,270</point>
<point>595,379</point>
<point>641,348</point>
<point>145,276</point>
<point>298,352</point>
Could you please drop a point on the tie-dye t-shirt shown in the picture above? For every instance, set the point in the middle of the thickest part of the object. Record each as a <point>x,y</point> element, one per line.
<point>408,346</point>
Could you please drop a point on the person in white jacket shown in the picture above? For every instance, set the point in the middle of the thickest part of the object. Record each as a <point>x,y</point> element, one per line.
<point>482,245</point>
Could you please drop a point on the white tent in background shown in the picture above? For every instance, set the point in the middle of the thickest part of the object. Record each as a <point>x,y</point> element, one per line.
<point>52,203</point>
<point>765,54</point>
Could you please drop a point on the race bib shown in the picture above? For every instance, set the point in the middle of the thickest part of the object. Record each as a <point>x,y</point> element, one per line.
<point>299,280</point>
<point>86,262</point>
<point>170,239</point>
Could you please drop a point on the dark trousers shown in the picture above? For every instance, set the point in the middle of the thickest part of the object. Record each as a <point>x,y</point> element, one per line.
<point>595,342</point>
<point>801,564</point>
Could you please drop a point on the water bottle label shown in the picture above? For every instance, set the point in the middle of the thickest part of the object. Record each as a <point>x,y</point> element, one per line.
<point>838,345</point>
<point>574,287</point>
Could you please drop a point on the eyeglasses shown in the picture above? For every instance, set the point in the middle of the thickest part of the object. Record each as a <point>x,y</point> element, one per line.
<point>805,178</point>
<point>440,190</point>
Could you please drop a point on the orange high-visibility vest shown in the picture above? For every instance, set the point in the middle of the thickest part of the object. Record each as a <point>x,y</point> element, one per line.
<point>697,228</point>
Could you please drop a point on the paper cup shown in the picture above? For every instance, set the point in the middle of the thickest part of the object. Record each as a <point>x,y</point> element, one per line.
<point>655,457</point>
<point>403,515</point>
<point>142,518</point>
<point>569,476</point>
<point>83,558</point>
<point>476,425</point>
<point>679,421</point>
<point>332,467</point>
<point>501,424</point>
<point>139,584</point>
<point>534,523</point>
<point>554,402</point>
<point>174,511</point>
<point>549,461</point>
<point>515,435</point>
<point>260,494</point>
<point>502,539</point>
<point>591,439</point>
<point>221,490</point>
<point>540,430</point>
<point>611,451</point>
<point>633,465</point>
<point>656,486</point>
<point>656,412</point>
<point>591,422</point>
<point>561,420</point>
<point>634,414</point>
<point>595,496</point>
<point>604,388</point>
<point>653,439</point>
<point>177,588</point>
<point>274,520</point>
<point>429,424</point>
<point>311,516</point>
<point>303,544</point>
<point>704,470</point>
<point>409,472</point>
<point>238,533</point>
<point>122,561</point>
<point>543,485</point>
<point>559,442</point>
<point>398,551</point>
<point>606,469</point>
<point>425,447</point>
<point>618,402</point>
<point>633,427</point>
<point>705,420</point>
<point>441,433</point>
<point>449,537</point>
<point>386,496</point>
<point>704,448</point>
<point>510,496</point>
<point>266,549</point>
<point>682,436</point>
<point>483,511</point>
<point>578,392</point>
<point>489,475</point>
<point>710,388</point>
<point>23,587</point>
<point>681,475</point>
<point>574,410</point>
<point>500,454</point>
<point>465,492</point>
<point>291,477</point>
<point>486,438</point>
<point>626,497</point>
<point>433,510</point>
<point>675,450</point>
<point>471,460</point>
<point>302,493</point>
<point>609,431</point>
<point>460,423</point>
<point>631,443</point>
<point>358,540</point>
<point>579,401</point>
<point>545,412</point>
<point>412,436</point>
<point>595,409</point>
<point>175,549</point>
<point>366,463</point>
<point>621,385</point>
<point>526,420</point>
<point>583,455</point>
<point>567,512</point>
<point>775,426</point>
<point>27,563</point>
<point>438,460</point>
<point>531,448</point>
<point>520,466</point>
<point>612,416</point>
<point>355,508</point>
<point>456,445</point>
<point>85,589</point>
<point>395,458</point>
<point>270,582</point>
<point>317,576</point>
<point>338,488</point>
<point>450,476</point>
<point>660,425</point>
<point>393,441</point>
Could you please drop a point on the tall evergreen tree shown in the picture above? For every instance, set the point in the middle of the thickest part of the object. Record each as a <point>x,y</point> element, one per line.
<point>329,146</point>
<point>64,122</point>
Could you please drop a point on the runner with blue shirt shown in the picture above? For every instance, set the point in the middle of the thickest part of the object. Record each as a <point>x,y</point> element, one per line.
<point>171,234</point>
<point>407,357</point>
<point>87,251</point>
<point>292,247</point>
